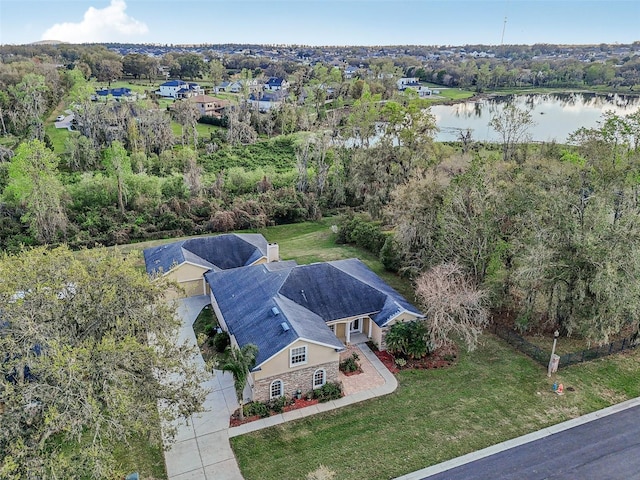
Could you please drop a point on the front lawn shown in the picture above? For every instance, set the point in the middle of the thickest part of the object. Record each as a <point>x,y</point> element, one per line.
<point>491,395</point>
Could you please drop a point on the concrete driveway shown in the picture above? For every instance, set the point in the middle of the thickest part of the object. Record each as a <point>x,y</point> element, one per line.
<point>201,450</point>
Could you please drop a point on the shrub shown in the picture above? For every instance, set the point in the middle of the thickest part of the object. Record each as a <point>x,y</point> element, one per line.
<point>400,362</point>
<point>329,391</point>
<point>350,364</point>
<point>390,255</point>
<point>277,404</point>
<point>257,408</point>
<point>221,341</point>
<point>409,339</point>
<point>361,232</point>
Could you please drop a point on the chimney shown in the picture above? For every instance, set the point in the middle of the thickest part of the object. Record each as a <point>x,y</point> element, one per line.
<point>273,252</point>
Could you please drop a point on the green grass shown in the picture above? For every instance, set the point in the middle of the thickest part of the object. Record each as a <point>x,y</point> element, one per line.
<point>490,396</point>
<point>452,94</point>
<point>57,136</point>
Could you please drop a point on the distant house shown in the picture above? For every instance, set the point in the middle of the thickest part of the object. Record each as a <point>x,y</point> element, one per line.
<point>350,72</point>
<point>121,93</point>
<point>179,89</point>
<point>276,83</point>
<point>267,100</point>
<point>237,86</point>
<point>223,87</point>
<point>186,261</point>
<point>210,106</point>
<point>407,82</point>
<point>301,316</point>
<point>423,91</point>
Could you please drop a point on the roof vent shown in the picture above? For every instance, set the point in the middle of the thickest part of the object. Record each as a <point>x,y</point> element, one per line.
<point>304,296</point>
<point>284,326</point>
<point>275,310</point>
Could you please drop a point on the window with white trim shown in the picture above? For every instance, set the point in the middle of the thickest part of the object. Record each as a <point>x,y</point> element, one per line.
<point>319,378</point>
<point>298,356</point>
<point>276,389</point>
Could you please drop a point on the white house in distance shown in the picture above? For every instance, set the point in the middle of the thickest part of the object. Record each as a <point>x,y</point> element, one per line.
<point>276,83</point>
<point>180,89</point>
<point>408,82</point>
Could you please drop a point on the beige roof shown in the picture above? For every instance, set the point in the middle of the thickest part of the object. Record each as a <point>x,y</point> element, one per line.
<point>208,99</point>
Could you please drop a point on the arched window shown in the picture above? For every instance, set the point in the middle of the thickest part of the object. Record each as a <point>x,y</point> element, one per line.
<point>319,378</point>
<point>276,389</point>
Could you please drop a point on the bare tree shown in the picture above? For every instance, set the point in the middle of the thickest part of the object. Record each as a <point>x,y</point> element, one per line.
<point>192,172</point>
<point>186,113</point>
<point>452,304</point>
<point>513,125</point>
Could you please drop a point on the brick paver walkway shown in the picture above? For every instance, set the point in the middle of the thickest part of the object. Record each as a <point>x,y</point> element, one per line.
<point>368,379</point>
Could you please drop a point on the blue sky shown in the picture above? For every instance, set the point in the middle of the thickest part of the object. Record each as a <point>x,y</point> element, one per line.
<point>328,22</point>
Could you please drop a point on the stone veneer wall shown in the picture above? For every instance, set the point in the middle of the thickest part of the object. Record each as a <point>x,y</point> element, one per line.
<point>301,379</point>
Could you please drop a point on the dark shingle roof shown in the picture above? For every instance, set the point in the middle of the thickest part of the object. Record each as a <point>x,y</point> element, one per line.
<point>219,252</point>
<point>305,297</point>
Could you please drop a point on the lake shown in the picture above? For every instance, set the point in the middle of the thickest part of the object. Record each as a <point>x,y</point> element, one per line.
<point>556,115</point>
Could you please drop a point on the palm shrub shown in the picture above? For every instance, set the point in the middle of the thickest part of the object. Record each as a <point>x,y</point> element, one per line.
<point>238,362</point>
<point>409,339</point>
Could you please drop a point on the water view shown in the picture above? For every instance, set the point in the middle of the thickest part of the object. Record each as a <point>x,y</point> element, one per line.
<point>556,115</point>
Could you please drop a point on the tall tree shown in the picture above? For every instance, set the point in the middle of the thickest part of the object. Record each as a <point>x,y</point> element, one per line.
<point>88,354</point>
<point>186,113</point>
<point>108,70</point>
<point>34,184</point>
<point>28,106</point>
<point>117,163</point>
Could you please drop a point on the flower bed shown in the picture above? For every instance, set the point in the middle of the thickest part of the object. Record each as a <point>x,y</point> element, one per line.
<point>294,404</point>
<point>441,358</point>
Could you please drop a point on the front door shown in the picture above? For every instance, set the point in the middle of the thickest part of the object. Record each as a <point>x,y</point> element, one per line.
<point>356,325</point>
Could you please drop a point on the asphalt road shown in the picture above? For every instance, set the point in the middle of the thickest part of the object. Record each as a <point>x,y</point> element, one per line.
<point>605,449</point>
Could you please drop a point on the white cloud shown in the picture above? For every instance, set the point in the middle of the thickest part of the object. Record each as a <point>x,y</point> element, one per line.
<point>109,24</point>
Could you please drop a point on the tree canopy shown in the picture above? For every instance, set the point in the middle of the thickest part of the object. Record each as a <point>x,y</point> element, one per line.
<point>88,354</point>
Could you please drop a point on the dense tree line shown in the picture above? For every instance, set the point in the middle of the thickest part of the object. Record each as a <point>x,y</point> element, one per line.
<point>509,217</point>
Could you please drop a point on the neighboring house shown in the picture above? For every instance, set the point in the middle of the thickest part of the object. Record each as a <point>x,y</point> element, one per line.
<point>179,89</point>
<point>121,93</point>
<point>267,100</point>
<point>187,261</point>
<point>237,86</point>
<point>210,106</point>
<point>350,72</point>
<point>300,317</point>
<point>276,83</point>
<point>223,87</point>
<point>404,83</point>
<point>423,91</point>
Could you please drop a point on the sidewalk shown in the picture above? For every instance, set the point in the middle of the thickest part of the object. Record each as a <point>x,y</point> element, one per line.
<point>390,384</point>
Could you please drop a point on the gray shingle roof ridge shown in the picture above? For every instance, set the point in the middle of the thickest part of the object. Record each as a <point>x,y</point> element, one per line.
<point>255,239</point>
<point>189,255</point>
<point>388,290</point>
